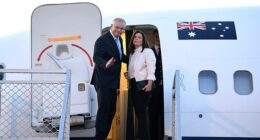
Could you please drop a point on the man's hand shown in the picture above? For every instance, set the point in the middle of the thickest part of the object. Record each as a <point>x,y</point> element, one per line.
<point>110,62</point>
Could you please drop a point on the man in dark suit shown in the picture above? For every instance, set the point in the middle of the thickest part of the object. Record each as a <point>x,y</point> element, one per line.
<point>108,56</point>
<point>156,110</point>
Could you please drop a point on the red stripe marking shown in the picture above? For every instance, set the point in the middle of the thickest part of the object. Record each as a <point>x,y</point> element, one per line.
<point>39,57</point>
<point>77,46</point>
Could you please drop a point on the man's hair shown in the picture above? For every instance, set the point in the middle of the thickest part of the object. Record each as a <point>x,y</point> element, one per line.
<point>119,20</point>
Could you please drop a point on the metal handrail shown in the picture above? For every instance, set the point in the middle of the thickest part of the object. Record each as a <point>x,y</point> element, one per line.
<point>61,71</point>
<point>65,106</point>
<point>176,97</point>
<point>30,82</point>
<point>32,71</point>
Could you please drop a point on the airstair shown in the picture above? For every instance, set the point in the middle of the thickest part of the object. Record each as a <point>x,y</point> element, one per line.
<point>34,109</point>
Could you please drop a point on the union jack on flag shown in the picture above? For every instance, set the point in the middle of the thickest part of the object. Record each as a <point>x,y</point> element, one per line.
<point>191,25</point>
<point>206,30</point>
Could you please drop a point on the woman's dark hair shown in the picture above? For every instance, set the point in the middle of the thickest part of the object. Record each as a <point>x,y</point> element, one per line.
<point>155,32</point>
<point>144,42</point>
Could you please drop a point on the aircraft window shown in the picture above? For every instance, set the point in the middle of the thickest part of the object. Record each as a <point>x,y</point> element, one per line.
<point>208,82</point>
<point>1,74</point>
<point>243,82</point>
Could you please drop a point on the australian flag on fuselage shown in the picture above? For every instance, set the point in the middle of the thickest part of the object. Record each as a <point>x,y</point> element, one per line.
<point>207,30</point>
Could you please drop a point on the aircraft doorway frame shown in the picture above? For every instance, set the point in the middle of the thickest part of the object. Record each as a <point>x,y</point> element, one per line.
<point>122,102</point>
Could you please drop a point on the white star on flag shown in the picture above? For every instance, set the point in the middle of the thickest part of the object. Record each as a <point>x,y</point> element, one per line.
<point>192,34</point>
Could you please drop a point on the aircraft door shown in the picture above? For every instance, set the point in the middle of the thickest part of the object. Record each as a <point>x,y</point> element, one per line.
<point>63,36</point>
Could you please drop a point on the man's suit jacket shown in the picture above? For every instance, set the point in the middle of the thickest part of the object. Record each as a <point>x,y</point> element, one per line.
<point>105,49</point>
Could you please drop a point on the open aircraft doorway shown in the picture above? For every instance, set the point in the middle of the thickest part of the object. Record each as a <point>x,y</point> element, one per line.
<point>125,111</point>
